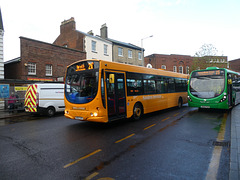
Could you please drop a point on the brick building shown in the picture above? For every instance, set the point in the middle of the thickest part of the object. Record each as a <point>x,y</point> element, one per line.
<point>41,61</point>
<point>235,65</point>
<point>98,47</point>
<point>173,62</point>
<point>209,61</point>
<point>183,63</point>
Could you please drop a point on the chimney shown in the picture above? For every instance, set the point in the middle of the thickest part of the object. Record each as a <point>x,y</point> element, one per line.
<point>68,25</point>
<point>91,32</point>
<point>104,32</point>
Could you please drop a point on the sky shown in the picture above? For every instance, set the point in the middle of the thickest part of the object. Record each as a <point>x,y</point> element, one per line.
<point>176,26</point>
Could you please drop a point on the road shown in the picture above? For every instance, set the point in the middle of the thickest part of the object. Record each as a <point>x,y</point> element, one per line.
<point>170,144</point>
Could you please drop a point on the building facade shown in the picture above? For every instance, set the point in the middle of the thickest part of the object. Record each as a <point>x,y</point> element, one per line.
<point>176,63</point>
<point>98,47</point>
<point>209,61</point>
<point>123,52</point>
<point>1,48</point>
<point>94,46</point>
<point>235,65</point>
<point>41,61</point>
<point>183,63</point>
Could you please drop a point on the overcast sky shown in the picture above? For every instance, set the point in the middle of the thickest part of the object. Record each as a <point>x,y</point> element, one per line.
<point>177,26</point>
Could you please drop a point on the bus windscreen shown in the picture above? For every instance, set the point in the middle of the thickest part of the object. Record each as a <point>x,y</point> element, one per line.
<point>207,84</point>
<point>82,82</point>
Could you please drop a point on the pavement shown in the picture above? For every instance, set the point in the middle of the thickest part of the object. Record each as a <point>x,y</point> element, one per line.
<point>234,172</point>
<point>5,114</point>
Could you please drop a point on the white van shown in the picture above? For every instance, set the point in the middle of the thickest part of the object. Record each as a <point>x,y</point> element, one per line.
<point>46,98</point>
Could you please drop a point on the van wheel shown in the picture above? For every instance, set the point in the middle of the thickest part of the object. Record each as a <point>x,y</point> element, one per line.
<point>180,102</point>
<point>137,111</point>
<point>50,111</point>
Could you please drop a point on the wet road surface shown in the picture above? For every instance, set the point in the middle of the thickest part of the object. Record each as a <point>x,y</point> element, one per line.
<point>169,144</point>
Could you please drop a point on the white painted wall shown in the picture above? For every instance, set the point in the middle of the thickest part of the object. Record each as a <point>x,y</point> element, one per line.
<point>99,53</point>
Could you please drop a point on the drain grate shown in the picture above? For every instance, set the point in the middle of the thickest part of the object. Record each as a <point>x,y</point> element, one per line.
<point>223,144</point>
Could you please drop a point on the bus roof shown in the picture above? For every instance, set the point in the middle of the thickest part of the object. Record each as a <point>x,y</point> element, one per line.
<point>133,68</point>
<point>216,68</point>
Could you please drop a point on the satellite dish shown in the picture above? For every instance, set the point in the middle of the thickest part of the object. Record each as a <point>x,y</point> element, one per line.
<point>149,66</point>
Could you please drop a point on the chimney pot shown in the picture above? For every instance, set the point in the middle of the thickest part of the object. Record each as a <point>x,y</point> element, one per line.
<point>104,31</point>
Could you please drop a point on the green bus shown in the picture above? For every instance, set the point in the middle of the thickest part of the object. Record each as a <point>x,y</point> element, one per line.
<point>214,87</point>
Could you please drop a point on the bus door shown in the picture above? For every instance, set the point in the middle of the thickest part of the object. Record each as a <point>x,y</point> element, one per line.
<point>229,89</point>
<point>116,96</point>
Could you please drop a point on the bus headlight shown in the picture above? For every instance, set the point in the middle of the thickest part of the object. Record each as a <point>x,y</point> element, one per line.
<point>189,99</point>
<point>223,99</point>
<point>66,112</point>
<point>95,114</point>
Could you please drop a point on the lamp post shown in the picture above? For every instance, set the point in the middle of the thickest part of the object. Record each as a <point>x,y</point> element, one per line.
<point>142,48</point>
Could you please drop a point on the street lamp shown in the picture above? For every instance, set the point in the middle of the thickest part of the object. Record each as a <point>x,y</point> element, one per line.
<point>142,48</point>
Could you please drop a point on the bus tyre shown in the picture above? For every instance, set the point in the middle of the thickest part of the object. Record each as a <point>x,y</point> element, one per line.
<point>180,102</point>
<point>137,111</point>
<point>50,111</point>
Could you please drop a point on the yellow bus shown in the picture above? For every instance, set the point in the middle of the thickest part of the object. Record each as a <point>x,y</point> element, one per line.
<point>102,91</point>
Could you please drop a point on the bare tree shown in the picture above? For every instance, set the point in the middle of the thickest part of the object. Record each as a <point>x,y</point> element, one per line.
<point>207,50</point>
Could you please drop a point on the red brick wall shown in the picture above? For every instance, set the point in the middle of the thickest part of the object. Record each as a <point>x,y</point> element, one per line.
<point>42,53</point>
<point>70,37</point>
<point>157,60</point>
<point>235,65</point>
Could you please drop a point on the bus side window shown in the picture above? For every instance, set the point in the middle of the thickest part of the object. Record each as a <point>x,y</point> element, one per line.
<point>134,84</point>
<point>171,85</point>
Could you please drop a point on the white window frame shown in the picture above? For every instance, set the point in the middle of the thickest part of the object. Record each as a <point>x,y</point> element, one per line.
<point>163,67</point>
<point>32,68</point>
<point>94,46</point>
<point>140,56</point>
<point>174,68</point>
<point>48,68</point>
<point>120,51</point>
<point>181,69</point>
<point>130,53</point>
<point>187,69</point>
<point>105,47</point>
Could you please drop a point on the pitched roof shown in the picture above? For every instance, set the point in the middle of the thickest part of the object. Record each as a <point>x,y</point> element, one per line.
<point>129,45</point>
<point>1,22</point>
<point>15,60</point>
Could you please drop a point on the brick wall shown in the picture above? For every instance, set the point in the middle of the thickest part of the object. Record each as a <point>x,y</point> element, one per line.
<point>41,53</point>
<point>235,65</point>
<point>157,60</point>
<point>69,37</point>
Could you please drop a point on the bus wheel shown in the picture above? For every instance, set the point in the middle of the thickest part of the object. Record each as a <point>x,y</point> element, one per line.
<point>180,102</point>
<point>50,111</point>
<point>137,111</point>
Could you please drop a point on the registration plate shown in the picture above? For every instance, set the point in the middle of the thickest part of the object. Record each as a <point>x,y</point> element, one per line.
<point>78,118</point>
<point>205,106</point>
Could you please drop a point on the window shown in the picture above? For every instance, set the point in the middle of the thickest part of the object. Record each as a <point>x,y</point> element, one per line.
<point>163,67</point>
<point>105,49</point>
<point>187,69</point>
<point>31,68</point>
<point>120,51</point>
<point>180,85</point>
<point>134,84</point>
<point>140,55</point>
<point>171,85</point>
<point>94,43</point>
<point>129,53</point>
<point>48,70</point>
<point>181,69</point>
<point>174,68</point>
